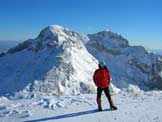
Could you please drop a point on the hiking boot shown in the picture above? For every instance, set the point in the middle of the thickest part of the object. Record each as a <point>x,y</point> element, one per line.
<point>114,108</point>
<point>99,108</point>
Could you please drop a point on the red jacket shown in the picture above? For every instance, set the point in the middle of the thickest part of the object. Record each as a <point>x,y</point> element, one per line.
<point>101,78</point>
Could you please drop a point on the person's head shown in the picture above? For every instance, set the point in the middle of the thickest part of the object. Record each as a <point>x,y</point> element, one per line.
<point>101,64</point>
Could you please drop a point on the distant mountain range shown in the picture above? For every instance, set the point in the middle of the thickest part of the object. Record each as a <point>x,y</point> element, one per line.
<point>5,45</point>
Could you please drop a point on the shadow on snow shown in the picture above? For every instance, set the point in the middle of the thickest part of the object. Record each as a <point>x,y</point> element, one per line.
<point>66,115</point>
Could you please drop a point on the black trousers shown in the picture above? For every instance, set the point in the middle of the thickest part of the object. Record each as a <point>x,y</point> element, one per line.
<point>106,91</point>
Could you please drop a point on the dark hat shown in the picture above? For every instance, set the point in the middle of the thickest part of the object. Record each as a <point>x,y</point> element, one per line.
<point>102,64</point>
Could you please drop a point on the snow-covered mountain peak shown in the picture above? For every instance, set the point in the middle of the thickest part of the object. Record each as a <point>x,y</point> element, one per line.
<point>53,31</point>
<point>109,34</point>
<point>56,27</point>
<point>50,37</point>
<point>54,63</point>
<point>109,39</point>
<point>55,35</point>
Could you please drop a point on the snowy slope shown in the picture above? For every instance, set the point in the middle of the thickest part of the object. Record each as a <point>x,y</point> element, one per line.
<point>129,65</point>
<point>132,107</point>
<point>56,62</point>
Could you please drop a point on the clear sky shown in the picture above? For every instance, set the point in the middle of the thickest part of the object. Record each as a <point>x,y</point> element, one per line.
<point>140,21</point>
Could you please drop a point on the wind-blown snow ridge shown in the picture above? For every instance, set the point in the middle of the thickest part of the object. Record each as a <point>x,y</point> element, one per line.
<point>60,61</point>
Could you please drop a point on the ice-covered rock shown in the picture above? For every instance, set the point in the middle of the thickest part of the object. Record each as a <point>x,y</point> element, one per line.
<point>108,39</point>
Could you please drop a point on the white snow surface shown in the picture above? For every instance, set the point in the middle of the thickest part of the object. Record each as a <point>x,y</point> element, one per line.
<point>132,107</point>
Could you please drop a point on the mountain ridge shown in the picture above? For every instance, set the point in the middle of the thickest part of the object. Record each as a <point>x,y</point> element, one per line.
<point>60,61</point>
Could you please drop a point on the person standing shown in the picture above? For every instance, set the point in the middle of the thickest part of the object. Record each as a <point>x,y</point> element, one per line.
<point>101,79</point>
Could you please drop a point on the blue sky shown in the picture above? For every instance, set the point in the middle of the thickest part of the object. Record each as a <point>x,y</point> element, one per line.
<point>140,21</point>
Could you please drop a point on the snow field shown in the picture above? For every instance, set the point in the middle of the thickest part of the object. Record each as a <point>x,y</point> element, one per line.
<point>134,107</point>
